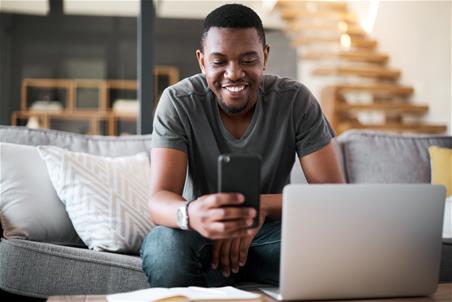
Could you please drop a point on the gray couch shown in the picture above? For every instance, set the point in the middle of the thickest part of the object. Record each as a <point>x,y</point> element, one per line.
<point>40,269</point>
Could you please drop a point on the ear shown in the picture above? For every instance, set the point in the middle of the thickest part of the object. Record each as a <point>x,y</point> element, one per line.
<point>266,54</point>
<point>200,57</point>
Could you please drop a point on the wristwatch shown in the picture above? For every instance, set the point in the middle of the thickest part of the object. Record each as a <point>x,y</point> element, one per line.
<point>182,216</point>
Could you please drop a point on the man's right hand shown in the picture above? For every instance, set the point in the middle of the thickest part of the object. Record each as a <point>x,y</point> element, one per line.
<point>218,216</point>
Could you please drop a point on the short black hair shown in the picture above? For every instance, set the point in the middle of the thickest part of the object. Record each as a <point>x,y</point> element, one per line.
<point>233,16</point>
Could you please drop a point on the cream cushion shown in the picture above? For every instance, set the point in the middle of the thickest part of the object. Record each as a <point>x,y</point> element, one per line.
<point>29,206</point>
<point>106,198</point>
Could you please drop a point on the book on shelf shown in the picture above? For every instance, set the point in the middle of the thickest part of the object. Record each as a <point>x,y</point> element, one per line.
<point>187,294</point>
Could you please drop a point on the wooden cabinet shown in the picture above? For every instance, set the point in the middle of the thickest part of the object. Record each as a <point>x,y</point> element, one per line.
<point>90,103</point>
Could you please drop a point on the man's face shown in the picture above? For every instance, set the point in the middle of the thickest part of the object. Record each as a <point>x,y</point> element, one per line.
<point>233,62</point>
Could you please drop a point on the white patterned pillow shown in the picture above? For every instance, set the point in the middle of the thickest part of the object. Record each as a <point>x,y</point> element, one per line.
<point>106,198</point>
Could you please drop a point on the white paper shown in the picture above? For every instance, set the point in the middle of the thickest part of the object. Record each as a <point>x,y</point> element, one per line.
<point>192,293</point>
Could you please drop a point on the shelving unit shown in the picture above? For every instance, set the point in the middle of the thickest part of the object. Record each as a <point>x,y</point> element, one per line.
<point>80,105</point>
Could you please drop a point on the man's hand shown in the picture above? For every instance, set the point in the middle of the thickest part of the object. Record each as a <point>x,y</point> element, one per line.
<point>218,216</point>
<point>232,254</point>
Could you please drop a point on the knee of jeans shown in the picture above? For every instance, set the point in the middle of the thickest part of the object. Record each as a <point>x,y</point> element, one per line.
<point>160,241</point>
<point>165,249</point>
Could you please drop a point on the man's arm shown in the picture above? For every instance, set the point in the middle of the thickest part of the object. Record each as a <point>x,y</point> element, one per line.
<point>168,171</point>
<point>321,166</point>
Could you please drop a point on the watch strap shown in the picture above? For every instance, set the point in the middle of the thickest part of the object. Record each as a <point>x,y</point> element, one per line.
<point>186,213</point>
<point>184,221</point>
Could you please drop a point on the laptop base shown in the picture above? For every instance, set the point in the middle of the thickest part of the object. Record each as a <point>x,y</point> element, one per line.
<point>272,292</point>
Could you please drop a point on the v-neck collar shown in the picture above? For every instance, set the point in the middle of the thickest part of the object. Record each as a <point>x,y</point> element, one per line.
<point>250,127</point>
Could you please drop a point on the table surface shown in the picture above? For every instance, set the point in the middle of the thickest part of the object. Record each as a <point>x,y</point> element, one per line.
<point>443,294</point>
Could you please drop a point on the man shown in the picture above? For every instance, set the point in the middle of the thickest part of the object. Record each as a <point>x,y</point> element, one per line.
<point>230,108</point>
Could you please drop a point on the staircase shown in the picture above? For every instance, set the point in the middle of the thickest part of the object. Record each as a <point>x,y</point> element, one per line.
<point>365,92</point>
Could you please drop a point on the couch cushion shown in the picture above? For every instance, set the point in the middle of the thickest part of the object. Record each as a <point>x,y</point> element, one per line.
<point>98,145</point>
<point>40,269</point>
<point>106,197</point>
<point>29,206</point>
<point>373,157</point>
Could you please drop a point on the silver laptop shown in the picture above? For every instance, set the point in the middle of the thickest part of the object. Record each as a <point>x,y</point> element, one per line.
<point>360,241</point>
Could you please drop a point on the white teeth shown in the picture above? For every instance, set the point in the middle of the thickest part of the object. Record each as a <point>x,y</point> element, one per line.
<point>235,88</point>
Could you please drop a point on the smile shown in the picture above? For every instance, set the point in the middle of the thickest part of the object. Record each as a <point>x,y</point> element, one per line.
<point>235,88</point>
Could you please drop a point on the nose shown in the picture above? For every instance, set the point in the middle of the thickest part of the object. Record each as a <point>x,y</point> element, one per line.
<point>234,71</point>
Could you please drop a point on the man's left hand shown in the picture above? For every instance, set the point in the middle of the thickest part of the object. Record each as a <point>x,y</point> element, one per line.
<point>231,254</point>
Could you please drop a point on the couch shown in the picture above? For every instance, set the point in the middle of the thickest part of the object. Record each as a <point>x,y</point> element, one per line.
<point>40,269</point>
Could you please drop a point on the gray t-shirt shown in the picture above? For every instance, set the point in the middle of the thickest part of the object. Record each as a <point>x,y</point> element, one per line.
<point>287,120</point>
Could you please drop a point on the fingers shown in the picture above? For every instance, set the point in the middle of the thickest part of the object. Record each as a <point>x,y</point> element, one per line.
<point>230,229</point>
<point>218,216</point>
<point>230,254</point>
<point>232,213</point>
<point>243,250</point>
<point>235,252</point>
<point>225,257</point>
<point>216,247</point>
<point>224,199</point>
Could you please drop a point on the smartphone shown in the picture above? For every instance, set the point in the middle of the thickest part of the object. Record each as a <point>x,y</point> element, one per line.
<point>241,173</point>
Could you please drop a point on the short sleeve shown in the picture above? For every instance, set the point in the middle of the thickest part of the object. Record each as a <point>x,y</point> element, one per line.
<point>312,129</point>
<point>169,131</point>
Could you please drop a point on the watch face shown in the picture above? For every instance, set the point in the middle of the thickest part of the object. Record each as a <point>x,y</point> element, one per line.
<point>180,216</point>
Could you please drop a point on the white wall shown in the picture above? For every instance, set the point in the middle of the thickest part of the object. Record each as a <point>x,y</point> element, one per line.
<point>418,37</point>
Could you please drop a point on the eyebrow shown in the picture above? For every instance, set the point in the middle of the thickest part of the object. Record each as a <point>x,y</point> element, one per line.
<point>219,54</point>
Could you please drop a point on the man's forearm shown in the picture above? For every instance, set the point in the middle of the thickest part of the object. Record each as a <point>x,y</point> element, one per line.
<point>271,205</point>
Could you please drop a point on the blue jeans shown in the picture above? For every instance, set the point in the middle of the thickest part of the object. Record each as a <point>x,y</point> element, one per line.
<point>173,257</point>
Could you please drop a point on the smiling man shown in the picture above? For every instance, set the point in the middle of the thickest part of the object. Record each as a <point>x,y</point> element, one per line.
<point>203,237</point>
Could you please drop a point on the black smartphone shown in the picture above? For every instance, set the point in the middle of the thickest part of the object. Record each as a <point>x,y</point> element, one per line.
<point>241,173</point>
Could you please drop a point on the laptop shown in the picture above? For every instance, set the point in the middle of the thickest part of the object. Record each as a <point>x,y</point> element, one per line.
<point>360,241</point>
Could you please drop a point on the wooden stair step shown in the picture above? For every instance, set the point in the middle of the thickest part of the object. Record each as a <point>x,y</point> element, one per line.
<point>392,108</point>
<point>324,5</point>
<point>375,89</point>
<point>356,56</point>
<point>355,43</point>
<point>397,127</point>
<point>342,27</point>
<point>295,12</point>
<point>367,72</point>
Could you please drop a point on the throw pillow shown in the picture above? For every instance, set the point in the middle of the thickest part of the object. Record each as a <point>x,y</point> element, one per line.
<point>29,206</point>
<point>106,198</point>
<point>441,163</point>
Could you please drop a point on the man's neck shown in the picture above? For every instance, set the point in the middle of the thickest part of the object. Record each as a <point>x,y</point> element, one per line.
<point>237,124</point>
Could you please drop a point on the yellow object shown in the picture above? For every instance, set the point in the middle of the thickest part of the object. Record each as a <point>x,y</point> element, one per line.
<point>441,162</point>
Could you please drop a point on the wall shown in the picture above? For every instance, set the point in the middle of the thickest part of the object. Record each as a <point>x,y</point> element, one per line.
<point>418,37</point>
<point>282,55</point>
